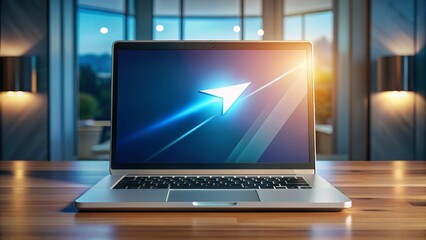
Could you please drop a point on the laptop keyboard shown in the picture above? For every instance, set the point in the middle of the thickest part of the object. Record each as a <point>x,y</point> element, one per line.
<point>212,182</point>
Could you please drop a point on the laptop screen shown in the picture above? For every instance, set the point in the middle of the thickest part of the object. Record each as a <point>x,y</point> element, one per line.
<point>215,106</point>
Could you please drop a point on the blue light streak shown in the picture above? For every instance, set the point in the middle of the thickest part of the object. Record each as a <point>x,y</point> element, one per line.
<point>173,118</point>
<point>181,114</point>
<point>181,137</point>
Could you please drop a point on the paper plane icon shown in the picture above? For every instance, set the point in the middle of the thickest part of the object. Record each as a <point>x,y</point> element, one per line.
<point>228,94</point>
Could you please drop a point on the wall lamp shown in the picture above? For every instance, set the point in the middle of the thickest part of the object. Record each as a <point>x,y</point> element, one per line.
<point>395,73</point>
<point>18,75</point>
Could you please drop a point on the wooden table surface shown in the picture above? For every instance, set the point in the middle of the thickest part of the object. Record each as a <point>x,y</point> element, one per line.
<point>36,202</point>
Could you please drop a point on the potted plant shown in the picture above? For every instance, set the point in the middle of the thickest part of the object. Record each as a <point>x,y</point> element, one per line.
<point>88,132</point>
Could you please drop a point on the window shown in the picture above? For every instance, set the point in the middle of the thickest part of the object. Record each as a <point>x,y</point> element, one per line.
<point>293,29</point>
<point>99,24</point>
<point>253,20</point>
<point>312,20</point>
<point>211,20</point>
<point>207,20</point>
<point>166,22</point>
<point>97,32</point>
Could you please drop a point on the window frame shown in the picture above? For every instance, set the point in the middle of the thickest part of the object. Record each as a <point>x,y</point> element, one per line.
<point>182,18</point>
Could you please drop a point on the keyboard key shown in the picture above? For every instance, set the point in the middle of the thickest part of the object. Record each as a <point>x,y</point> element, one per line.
<point>212,182</point>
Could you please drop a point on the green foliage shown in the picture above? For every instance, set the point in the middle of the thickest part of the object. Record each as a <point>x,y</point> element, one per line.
<point>323,88</point>
<point>99,87</point>
<point>88,106</point>
<point>323,105</point>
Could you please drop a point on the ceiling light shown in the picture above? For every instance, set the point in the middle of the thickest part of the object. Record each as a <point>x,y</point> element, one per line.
<point>103,30</point>
<point>236,29</point>
<point>159,28</point>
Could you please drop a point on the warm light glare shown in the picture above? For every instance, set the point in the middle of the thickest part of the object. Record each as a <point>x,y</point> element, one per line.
<point>397,45</point>
<point>159,28</point>
<point>18,46</point>
<point>396,98</point>
<point>17,96</point>
<point>103,30</point>
<point>19,168</point>
<point>396,94</point>
<point>13,94</point>
<point>348,220</point>
<point>399,168</point>
<point>399,93</point>
<point>260,32</point>
<point>398,177</point>
<point>236,29</point>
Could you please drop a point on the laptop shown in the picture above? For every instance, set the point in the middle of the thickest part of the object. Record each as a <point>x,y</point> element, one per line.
<point>223,125</point>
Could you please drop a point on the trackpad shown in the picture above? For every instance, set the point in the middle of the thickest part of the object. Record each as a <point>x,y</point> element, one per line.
<point>212,196</point>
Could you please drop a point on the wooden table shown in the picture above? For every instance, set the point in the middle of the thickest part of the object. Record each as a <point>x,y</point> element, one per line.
<point>36,202</point>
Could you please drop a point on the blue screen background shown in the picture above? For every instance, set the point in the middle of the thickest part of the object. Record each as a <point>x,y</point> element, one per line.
<point>163,118</point>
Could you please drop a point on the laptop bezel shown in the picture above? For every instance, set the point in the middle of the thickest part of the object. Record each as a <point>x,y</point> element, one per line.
<point>212,46</point>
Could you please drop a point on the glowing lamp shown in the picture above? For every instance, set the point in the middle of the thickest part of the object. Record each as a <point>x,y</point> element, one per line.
<point>395,73</point>
<point>18,74</point>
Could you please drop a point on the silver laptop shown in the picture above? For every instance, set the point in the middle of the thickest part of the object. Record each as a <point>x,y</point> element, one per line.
<point>212,126</point>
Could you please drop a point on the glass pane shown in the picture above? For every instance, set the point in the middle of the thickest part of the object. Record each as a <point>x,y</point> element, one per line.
<point>293,7</point>
<point>166,8</point>
<point>251,27</point>
<point>98,30</point>
<point>211,8</point>
<point>319,26</point>
<point>293,28</point>
<point>253,8</point>
<point>211,28</point>
<point>166,28</point>
<point>109,5</point>
<point>319,30</point>
<point>96,33</point>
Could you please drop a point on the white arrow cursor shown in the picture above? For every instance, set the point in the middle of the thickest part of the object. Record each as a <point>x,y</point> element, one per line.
<point>228,94</point>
